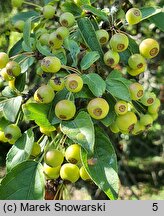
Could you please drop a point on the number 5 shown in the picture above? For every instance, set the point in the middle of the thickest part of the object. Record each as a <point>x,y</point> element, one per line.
<point>155,207</point>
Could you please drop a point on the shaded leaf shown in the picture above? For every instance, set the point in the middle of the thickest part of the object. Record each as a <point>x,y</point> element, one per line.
<point>96,12</point>
<point>89,59</point>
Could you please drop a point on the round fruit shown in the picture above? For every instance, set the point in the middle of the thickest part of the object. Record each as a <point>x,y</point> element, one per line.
<point>102,36</point>
<point>5,76</point>
<point>74,83</point>
<point>138,128</point>
<point>146,120</point>
<point>114,128</point>
<point>98,108</point>
<point>17,3</point>
<point>83,174</point>
<point>67,19</point>
<point>154,116</point>
<point>136,72</point>
<point>133,16</point>
<point>154,108</point>
<point>48,11</point>
<point>2,137</point>
<point>57,83</point>
<point>111,58</point>
<point>12,133</point>
<point>72,153</point>
<point>51,172</point>
<point>81,2</point>
<point>126,122</point>
<point>148,98</point>
<point>62,32</point>
<point>136,61</point>
<point>65,109</point>
<point>149,48</point>
<point>136,91</point>
<point>36,149</point>
<point>44,94</point>
<point>121,107</point>
<point>13,68</point>
<point>4,59</point>
<point>70,172</point>
<point>51,64</point>
<point>119,42</point>
<point>54,41</point>
<point>54,158</point>
<point>44,39</point>
<point>19,25</point>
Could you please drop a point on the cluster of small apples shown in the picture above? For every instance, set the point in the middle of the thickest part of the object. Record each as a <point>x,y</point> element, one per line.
<point>66,166</point>
<point>129,120</point>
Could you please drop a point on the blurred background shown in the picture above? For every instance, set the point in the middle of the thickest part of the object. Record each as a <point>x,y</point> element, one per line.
<point>140,158</point>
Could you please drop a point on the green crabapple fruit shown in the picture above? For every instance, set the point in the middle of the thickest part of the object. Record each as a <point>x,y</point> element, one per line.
<point>12,133</point>
<point>126,122</point>
<point>133,16</point>
<point>149,48</point>
<point>44,94</point>
<point>102,36</point>
<point>5,76</point>
<point>146,120</point>
<point>148,98</point>
<point>73,83</point>
<point>111,58</point>
<point>67,19</point>
<point>57,83</point>
<point>114,128</point>
<point>136,91</point>
<point>19,25</point>
<point>48,11</point>
<point>53,158</point>
<point>72,153</point>
<point>65,109</point>
<point>4,59</point>
<point>69,172</point>
<point>98,108</point>
<point>13,68</point>
<point>51,172</point>
<point>17,3</point>
<point>136,61</point>
<point>119,42</point>
<point>138,128</point>
<point>36,149</point>
<point>154,108</point>
<point>44,39</point>
<point>83,174</point>
<point>154,116</point>
<point>54,41</point>
<point>2,137</point>
<point>136,72</point>
<point>121,107</point>
<point>62,32</point>
<point>51,64</point>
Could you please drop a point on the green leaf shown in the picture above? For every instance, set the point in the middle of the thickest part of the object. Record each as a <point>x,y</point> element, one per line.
<point>115,74</point>
<point>26,64</point>
<point>81,131</point>
<point>24,16</point>
<point>148,12</point>
<point>102,166</point>
<point>118,88</point>
<point>25,181</point>
<point>72,8</point>
<point>27,32</point>
<point>96,12</point>
<point>89,59</point>
<point>38,113</point>
<point>95,83</point>
<point>44,50</point>
<point>73,48</point>
<point>11,108</point>
<point>8,92</point>
<point>133,46</point>
<point>16,48</point>
<point>84,93</point>
<point>21,151</point>
<point>157,20</point>
<point>20,82</point>
<point>89,36</point>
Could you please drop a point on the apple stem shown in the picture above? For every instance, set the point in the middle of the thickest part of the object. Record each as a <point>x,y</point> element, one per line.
<point>32,4</point>
<point>71,69</point>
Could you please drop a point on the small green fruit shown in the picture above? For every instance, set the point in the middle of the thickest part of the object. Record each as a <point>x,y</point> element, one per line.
<point>65,109</point>
<point>67,19</point>
<point>149,48</point>
<point>51,64</point>
<point>70,172</point>
<point>136,72</point>
<point>138,128</point>
<point>48,11</point>
<point>102,36</point>
<point>121,107</point>
<point>57,83</point>
<point>12,133</point>
<point>72,153</point>
<point>36,149</point>
<point>44,39</point>
<point>74,83</point>
<point>5,76</point>
<point>136,91</point>
<point>146,120</point>
<point>111,58</point>
<point>19,25</point>
<point>119,42</point>
<point>154,108</point>
<point>51,172</point>
<point>136,61</point>
<point>17,3</point>
<point>54,158</point>
<point>54,41</point>
<point>114,128</point>
<point>98,108</point>
<point>154,116</point>
<point>2,137</point>
<point>83,174</point>
<point>62,32</point>
<point>44,94</point>
<point>148,98</point>
<point>13,69</point>
<point>133,16</point>
<point>4,59</point>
